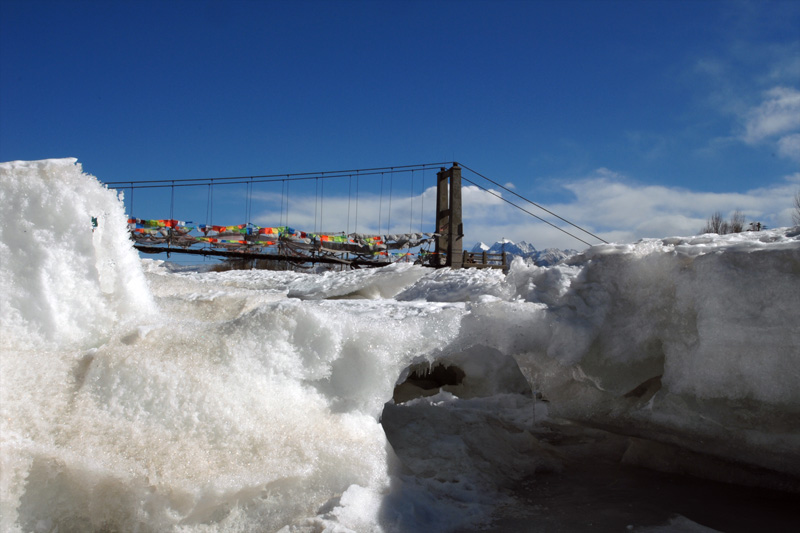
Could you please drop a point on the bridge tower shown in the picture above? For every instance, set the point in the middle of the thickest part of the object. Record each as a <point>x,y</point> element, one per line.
<point>449,226</point>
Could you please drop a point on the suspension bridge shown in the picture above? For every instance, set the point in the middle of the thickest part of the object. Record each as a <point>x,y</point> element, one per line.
<point>297,238</point>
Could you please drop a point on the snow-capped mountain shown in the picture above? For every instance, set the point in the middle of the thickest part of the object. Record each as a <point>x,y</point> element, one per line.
<point>546,257</point>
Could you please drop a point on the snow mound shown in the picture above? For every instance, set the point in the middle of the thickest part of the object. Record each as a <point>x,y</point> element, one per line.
<point>67,268</point>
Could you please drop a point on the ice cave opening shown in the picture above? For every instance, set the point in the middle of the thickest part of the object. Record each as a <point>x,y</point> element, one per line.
<point>476,372</point>
<point>427,380</point>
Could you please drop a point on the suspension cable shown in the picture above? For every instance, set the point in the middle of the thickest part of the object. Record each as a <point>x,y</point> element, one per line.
<point>411,203</point>
<point>355,228</point>
<point>422,203</point>
<point>287,178</point>
<point>380,206</point>
<point>249,202</point>
<point>316,203</point>
<point>172,204</point>
<point>349,200</point>
<point>389,220</point>
<point>321,203</point>
<point>537,205</point>
<point>525,210</point>
<point>208,205</point>
<point>280,218</point>
<point>278,177</point>
<point>171,227</point>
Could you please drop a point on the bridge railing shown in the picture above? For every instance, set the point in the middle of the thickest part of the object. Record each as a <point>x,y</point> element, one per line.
<point>484,260</point>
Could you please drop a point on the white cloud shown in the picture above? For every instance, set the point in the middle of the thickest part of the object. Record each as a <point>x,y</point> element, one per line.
<point>789,146</point>
<point>777,115</point>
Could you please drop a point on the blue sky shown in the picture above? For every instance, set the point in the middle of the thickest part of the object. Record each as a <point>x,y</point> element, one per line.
<point>634,119</point>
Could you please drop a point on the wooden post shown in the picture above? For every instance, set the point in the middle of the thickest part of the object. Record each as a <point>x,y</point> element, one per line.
<point>455,245</point>
<point>449,225</point>
<point>442,218</point>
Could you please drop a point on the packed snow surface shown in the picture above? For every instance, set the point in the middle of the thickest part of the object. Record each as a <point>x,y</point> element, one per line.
<point>138,398</point>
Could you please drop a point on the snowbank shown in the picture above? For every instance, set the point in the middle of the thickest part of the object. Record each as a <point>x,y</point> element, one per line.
<point>67,270</point>
<point>693,341</point>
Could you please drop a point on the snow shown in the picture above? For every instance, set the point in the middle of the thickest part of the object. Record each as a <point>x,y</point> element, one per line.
<point>63,280</point>
<point>138,396</point>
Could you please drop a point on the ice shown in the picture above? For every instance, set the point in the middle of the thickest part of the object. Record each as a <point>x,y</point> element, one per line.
<point>679,523</point>
<point>140,396</point>
<point>716,323</point>
<point>457,286</point>
<point>67,270</point>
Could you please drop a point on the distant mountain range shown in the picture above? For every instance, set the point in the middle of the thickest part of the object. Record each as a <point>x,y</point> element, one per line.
<point>546,257</point>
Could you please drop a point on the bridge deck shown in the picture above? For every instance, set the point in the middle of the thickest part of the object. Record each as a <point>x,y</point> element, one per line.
<point>353,262</point>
